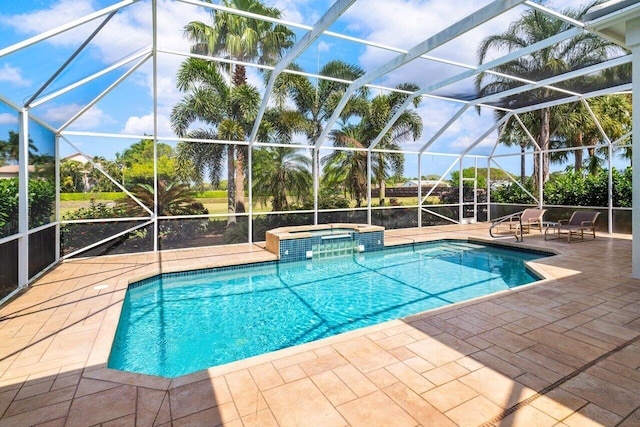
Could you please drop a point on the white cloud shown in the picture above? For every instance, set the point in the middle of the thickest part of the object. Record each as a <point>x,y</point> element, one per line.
<point>92,118</point>
<point>300,11</point>
<point>8,119</point>
<point>324,46</point>
<point>57,14</point>
<point>128,31</point>
<point>13,76</point>
<point>405,23</point>
<point>143,125</point>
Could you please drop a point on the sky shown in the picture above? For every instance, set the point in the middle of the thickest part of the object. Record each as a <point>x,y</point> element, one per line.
<point>128,108</point>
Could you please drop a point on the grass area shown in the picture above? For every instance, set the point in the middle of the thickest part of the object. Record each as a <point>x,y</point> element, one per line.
<point>69,197</point>
<point>211,194</point>
<point>214,201</point>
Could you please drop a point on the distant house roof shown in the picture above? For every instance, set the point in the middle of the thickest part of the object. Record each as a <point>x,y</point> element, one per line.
<point>77,157</point>
<point>12,171</point>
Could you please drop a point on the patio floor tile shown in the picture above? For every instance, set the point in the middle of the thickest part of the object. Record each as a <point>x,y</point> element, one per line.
<point>574,337</point>
<point>375,409</point>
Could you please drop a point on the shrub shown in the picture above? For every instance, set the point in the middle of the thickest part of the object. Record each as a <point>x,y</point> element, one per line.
<point>574,188</point>
<point>41,204</point>
<point>77,236</point>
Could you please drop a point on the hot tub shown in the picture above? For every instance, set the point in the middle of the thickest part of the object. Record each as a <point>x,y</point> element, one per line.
<point>308,241</point>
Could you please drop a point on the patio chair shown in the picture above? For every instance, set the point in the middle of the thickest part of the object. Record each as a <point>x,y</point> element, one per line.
<point>530,217</point>
<point>579,223</point>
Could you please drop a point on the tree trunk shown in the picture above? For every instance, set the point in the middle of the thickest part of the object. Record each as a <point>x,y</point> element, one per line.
<point>238,79</point>
<point>593,160</point>
<point>239,75</point>
<point>381,181</point>
<point>231,187</point>
<point>578,153</point>
<point>523,164</point>
<point>543,143</point>
<point>240,200</point>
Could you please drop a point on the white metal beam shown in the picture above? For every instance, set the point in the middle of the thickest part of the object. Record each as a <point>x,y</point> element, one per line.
<point>88,79</point>
<point>487,133</point>
<point>495,146</point>
<point>17,109</point>
<point>601,92</point>
<point>334,12</point>
<point>542,83</point>
<point>23,199</point>
<point>357,40</point>
<point>70,59</point>
<point>62,28</point>
<point>104,93</point>
<point>526,131</point>
<point>321,77</point>
<point>446,172</point>
<point>446,126</point>
<point>472,21</point>
<point>609,169</point>
<point>477,70</point>
<point>554,14</point>
<point>154,46</point>
<point>100,242</point>
<point>633,40</point>
<point>516,182</point>
<point>556,79</point>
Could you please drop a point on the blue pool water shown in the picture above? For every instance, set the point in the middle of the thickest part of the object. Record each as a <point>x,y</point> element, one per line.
<point>176,324</point>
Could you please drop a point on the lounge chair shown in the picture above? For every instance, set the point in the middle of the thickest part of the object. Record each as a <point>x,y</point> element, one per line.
<point>529,218</point>
<point>579,223</point>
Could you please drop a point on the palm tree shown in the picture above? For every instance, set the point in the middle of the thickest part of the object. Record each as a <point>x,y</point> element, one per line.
<point>281,171</point>
<point>71,176</point>
<point>532,27</point>
<point>347,169</point>
<point>407,127</point>
<point>9,149</point>
<point>577,127</point>
<point>351,167</point>
<point>316,99</point>
<point>614,114</point>
<point>228,112</point>
<point>173,199</point>
<point>278,172</point>
<point>515,135</point>
<point>242,39</point>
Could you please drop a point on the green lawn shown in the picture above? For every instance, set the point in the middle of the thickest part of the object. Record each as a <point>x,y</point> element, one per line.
<point>214,201</point>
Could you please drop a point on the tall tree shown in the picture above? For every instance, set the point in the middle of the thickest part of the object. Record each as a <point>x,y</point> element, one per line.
<point>514,135</point>
<point>242,39</point>
<point>227,113</point>
<point>407,127</point>
<point>534,26</point>
<point>347,169</point>
<point>137,163</point>
<point>279,172</point>
<point>9,149</point>
<point>375,116</point>
<point>613,113</point>
<point>316,99</point>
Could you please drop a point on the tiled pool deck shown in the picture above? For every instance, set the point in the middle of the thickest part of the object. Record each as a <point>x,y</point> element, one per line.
<point>565,351</point>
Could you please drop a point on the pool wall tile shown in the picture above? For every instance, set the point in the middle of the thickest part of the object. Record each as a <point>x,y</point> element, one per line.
<point>296,249</point>
<point>191,273</point>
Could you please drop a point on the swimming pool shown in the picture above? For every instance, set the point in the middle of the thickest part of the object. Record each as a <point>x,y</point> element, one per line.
<point>180,323</point>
